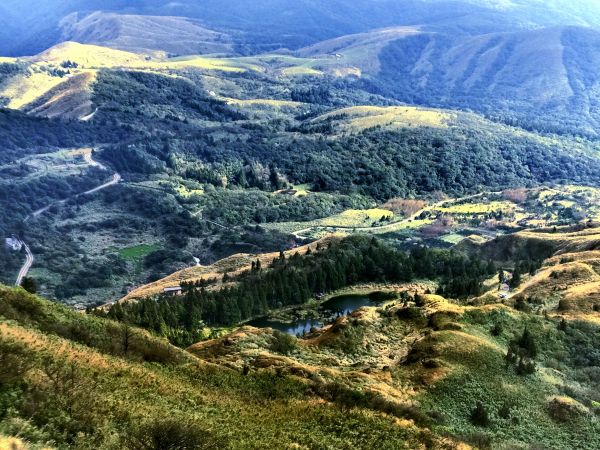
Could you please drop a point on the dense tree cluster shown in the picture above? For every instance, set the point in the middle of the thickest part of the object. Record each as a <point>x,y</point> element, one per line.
<point>294,280</point>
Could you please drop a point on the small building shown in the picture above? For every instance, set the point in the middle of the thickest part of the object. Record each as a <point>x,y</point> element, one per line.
<point>13,244</point>
<point>173,291</point>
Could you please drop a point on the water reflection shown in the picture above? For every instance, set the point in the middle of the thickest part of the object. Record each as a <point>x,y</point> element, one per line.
<point>328,311</point>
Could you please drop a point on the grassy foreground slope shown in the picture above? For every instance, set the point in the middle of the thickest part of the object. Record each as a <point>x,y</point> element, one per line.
<point>72,381</point>
<point>431,361</point>
<point>419,371</point>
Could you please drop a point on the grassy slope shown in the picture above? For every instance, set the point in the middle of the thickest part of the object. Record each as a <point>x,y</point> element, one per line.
<point>87,395</point>
<point>131,32</point>
<point>404,374</point>
<point>232,265</point>
<point>360,118</point>
<point>433,365</point>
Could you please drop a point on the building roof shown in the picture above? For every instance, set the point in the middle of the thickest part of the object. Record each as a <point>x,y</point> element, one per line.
<point>172,289</point>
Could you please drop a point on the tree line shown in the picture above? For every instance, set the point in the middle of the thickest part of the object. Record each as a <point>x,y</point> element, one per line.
<point>295,280</point>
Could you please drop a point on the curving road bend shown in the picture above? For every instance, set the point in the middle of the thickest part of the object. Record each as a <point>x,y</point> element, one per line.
<point>28,263</point>
<point>88,157</point>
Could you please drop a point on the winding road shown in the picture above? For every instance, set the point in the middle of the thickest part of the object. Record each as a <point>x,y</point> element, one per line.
<point>28,263</point>
<point>88,157</point>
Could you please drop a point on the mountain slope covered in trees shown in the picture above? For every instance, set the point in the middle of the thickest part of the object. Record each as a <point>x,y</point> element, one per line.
<point>418,370</point>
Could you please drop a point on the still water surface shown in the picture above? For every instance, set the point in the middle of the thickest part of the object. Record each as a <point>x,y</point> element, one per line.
<point>335,307</point>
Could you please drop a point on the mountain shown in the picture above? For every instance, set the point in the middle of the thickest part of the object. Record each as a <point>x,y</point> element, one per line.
<point>230,142</point>
<point>138,33</point>
<point>265,25</point>
<point>544,73</point>
<point>299,224</point>
<point>531,64</point>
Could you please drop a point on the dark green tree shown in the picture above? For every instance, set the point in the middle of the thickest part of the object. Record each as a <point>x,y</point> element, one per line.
<point>480,416</point>
<point>30,285</point>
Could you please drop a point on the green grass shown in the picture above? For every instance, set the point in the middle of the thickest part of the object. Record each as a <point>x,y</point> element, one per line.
<point>138,251</point>
<point>478,373</point>
<point>118,395</point>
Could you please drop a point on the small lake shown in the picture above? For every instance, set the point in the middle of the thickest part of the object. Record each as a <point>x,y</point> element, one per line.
<point>331,309</point>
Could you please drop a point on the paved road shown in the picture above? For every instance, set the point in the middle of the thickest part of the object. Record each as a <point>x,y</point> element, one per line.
<point>28,263</point>
<point>87,155</point>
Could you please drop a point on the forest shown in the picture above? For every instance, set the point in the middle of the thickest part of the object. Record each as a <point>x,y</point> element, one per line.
<point>162,133</point>
<point>297,279</point>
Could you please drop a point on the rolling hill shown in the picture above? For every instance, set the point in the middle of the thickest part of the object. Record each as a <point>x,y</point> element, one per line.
<point>415,370</point>
<point>265,25</point>
<point>359,51</point>
<point>136,33</point>
<point>544,78</point>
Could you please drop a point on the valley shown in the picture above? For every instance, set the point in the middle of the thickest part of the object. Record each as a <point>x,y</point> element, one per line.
<point>241,156</point>
<point>299,225</point>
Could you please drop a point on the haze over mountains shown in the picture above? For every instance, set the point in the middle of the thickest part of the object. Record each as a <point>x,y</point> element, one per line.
<point>294,24</point>
<point>505,59</point>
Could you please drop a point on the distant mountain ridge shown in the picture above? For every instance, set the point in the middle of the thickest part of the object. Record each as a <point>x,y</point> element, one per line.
<point>143,33</point>
<point>549,73</point>
<point>263,25</point>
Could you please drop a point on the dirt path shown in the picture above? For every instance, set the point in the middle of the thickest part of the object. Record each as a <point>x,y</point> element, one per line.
<point>89,159</point>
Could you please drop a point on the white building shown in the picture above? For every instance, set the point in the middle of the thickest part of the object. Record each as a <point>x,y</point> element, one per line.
<point>14,244</point>
<point>173,291</point>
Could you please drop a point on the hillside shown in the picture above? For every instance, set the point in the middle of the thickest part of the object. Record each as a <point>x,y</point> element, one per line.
<point>360,51</point>
<point>246,152</point>
<point>415,370</point>
<point>266,25</point>
<point>76,381</point>
<point>136,33</point>
<point>542,79</point>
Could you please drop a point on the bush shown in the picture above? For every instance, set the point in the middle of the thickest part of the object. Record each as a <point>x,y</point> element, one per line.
<point>171,434</point>
<point>283,343</point>
<point>480,416</point>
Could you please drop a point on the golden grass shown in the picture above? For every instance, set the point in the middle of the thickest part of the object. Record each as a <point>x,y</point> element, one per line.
<point>477,208</point>
<point>24,89</point>
<point>187,193</point>
<point>355,217</point>
<point>232,265</point>
<point>437,303</point>
<point>90,56</point>
<point>70,99</point>
<point>13,443</point>
<point>571,278</point>
<point>58,347</point>
<point>204,63</point>
<point>94,57</point>
<point>566,242</point>
<point>559,278</point>
<point>358,118</point>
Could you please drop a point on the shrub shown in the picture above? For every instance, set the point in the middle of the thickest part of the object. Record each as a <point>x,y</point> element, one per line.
<point>480,416</point>
<point>505,410</point>
<point>171,434</point>
<point>564,409</point>
<point>497,329</point>
<point>283,343</point>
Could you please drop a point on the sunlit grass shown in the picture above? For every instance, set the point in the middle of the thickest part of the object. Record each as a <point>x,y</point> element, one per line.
<point>24,89</point>
<point>138,251</point>
<point>363,117</point>
<point>477,208</point>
